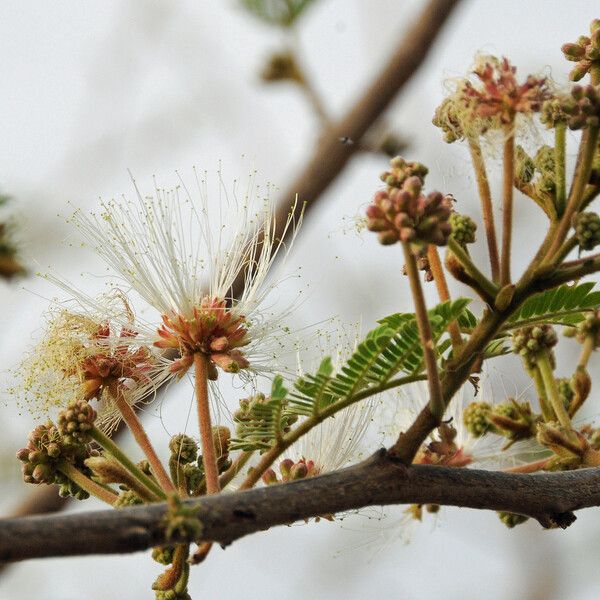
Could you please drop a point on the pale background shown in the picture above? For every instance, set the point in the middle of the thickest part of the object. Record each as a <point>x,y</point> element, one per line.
<point>91,89</point>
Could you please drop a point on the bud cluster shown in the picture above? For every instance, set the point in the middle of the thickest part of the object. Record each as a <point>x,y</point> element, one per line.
<point>290,471</point>
<point>583,107</point>
<point>532,341</point>
<point>401,169</point>
<point>542,165</point>
<point>76,422</point>
<point>511,419</point>
<point>409,216</point>
<point>585,52</point>
<point>553,111</point>
<point>587,230</point>
<point>498,94</point>
<point>590,328</point>
<point>463,228</point>
<point>183,448</point>
<point>444,451</point>
<point>476,418</point>
<point>41,458</point>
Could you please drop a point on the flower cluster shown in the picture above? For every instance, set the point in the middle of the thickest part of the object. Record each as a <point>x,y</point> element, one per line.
<point>585,52</point>
<point>531,341</point>
<point>214,331</point>
<point>405,214</point>
<point>499,95</point>
<point>587,229</point>
<point>583,107</point>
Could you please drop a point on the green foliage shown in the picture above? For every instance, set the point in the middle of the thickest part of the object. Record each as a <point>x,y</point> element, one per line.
<point>393,347</point>
<point>266,421</point>
<point>564,305</point>
<point>277,12</point>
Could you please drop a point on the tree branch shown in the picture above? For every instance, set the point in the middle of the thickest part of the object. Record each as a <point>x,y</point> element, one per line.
<point>548,497</point>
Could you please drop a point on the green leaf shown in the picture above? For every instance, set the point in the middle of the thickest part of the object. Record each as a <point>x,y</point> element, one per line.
<point>264,421</point>
<point>564,305</point>
<point>387,350</point>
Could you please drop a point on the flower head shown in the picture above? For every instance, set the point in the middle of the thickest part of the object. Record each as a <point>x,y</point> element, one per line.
<point>499,95</point>
<point>166,247</point>
<point>88,349</point>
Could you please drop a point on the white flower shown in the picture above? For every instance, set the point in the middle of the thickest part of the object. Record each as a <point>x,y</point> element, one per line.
<point>342,439</point>
<point>486,452</point>
<point>168,248</point>
<point>90,345</point>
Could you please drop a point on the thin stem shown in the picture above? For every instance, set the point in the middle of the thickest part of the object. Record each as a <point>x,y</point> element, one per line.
<point>433,378</point>
<point>116,452</point>
<point>589,345</point>
<point>487,210</point>
<point>435,264</point>
<point>85,483</point>
<point>547,411</point>
<point>589,141</point>
<point>564,251</point>
<point>531,467</point>
<point>142,439</point>
<point>595,74</point>
<point>485,284</point>
<point>236,466</point>
<point>560,145</point>
<point>543,363</point>
<point>209,458</point>
<point>507,204</point>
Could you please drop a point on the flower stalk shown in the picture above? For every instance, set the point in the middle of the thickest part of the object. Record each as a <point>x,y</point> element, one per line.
<point>209,458</point>
<point>114,450</point>
<point>435,391</point>
<point>507,203</point>
<point>441,284</point>
<point>487,211</point>
<point>95,489</point>
<point>141,437</point>
<point>545,368</point>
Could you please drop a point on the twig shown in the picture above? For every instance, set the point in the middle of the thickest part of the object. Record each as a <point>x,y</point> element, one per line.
<point>487,210</point>
<point>507,205</point>
<point>441,284</point>
<point>433,379</point>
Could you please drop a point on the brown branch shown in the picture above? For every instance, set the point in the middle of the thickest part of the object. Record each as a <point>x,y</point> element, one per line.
<point>548,497</point>
<point>331,155</point>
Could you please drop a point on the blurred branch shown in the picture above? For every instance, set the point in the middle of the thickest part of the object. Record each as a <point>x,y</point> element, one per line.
<point>330,156</point>
<point>380,480</point>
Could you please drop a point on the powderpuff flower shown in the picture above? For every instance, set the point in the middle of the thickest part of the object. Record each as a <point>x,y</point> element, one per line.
<point>89,348</point>
<point>454,445</point>
<point>342,439</point>
<point>169,249</point>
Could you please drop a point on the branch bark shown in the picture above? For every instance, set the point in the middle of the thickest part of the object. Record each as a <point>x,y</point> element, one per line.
<point>548,497</point>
